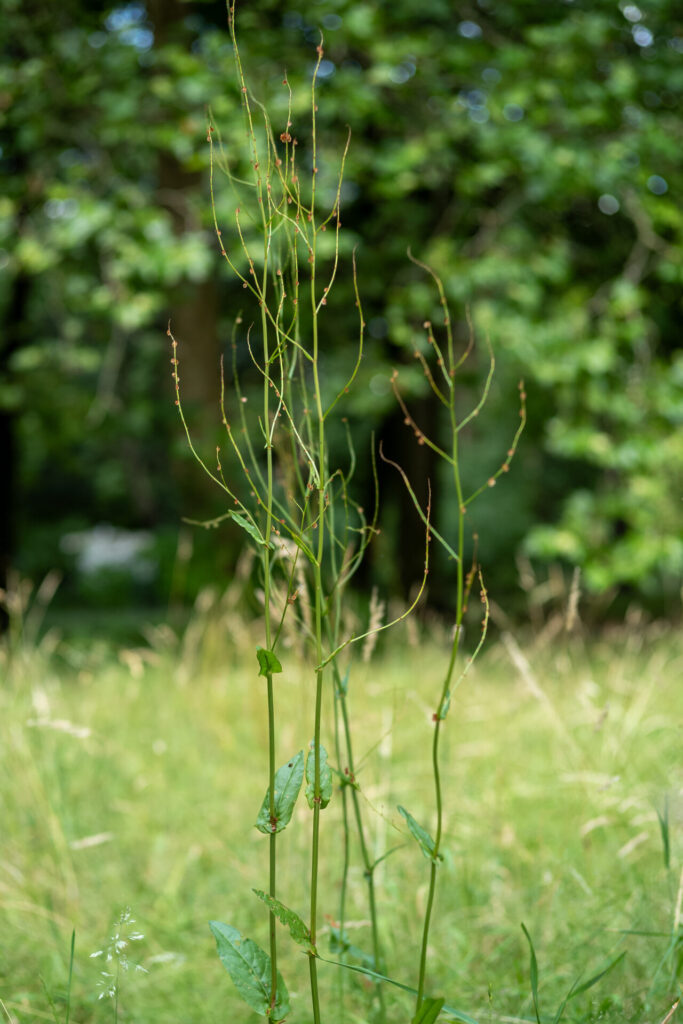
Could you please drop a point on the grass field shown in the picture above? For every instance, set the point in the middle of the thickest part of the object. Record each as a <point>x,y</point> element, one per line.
<point>132,778</point>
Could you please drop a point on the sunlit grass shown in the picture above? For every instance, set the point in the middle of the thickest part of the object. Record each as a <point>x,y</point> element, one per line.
<point>134,778</point>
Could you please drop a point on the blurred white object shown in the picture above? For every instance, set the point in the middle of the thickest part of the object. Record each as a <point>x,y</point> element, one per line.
<point>109,547</point>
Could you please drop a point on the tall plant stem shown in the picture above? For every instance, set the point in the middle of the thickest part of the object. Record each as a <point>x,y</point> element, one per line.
<point>315,847</point>
<point>368,864</point>
<point>333,627</point>
<point>315,844</point>
<point>272,839</point>
<point>341,712</point>
<point>318,578</point>
<point>445,689</point>
<point>346,848</point>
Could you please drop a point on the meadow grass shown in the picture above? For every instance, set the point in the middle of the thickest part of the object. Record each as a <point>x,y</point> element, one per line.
<point>555,768</point>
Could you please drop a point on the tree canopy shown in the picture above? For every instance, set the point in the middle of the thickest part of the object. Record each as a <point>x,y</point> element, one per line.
<point>528,152</point>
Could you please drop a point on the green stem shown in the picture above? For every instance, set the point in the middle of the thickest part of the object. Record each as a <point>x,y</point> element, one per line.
<point>333,624</point>
<point>368,865</point>
<point>315,997</point>
<point>460,592</point>
<point>345,861</point>
<point>272,839</point>
<point>341,704</point>
<point>315,845</point>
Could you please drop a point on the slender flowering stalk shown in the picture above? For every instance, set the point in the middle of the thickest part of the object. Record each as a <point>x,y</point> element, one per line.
<point>116,959</point>
<point>442,383</point>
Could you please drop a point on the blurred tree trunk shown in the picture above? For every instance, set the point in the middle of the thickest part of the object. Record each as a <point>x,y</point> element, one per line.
<point>13,337</point>
<point>194,307</point>
<point>7,471</point>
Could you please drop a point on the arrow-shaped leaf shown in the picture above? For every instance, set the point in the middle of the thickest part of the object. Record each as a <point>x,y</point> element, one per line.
<point>424,840</point>
<point>288,781</point>
<point>268,663</point>
<point>250,527</point>
<point>325,777</point>
<point>297,928</point>
<point>249,968</point>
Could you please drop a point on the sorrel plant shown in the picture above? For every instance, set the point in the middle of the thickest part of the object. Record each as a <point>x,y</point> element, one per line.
<point>308,531</point>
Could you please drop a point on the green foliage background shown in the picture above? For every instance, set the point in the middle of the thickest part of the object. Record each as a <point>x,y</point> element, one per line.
<point>530,152</point>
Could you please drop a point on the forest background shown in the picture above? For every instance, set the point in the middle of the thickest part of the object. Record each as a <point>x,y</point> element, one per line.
<point>528,151</point>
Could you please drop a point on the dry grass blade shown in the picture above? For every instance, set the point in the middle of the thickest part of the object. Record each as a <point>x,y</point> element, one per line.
<point>670,1015</point>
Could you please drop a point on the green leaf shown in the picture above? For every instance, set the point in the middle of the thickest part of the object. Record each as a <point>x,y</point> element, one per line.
<point>663,816</point>
<point>251,528</point>
<point>268,663</point>
<point>429,1011</point>
<point>325,778</point>
<point>585,985</point>
<point>249,968</point>
<point>288,781</point>
<point>424,840</point>
<point>297,929</point>
<point>533,973</point>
